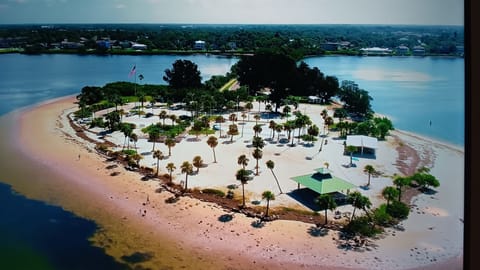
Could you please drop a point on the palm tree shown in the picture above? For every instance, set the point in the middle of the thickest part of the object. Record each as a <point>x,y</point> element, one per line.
<point>213,142</point>
<point>326,202</point>
<point>370,170</point>
<point>187,169</point>
<point>400,182</point>
<point>174,118</point>
<point>127,131</point>
<point>271,165</point>
<point>328,122</point>
<point>198,162</point>
<point>158,155</point>
<point>271,126</point>
<point>257,154</point>
<point>269,196</point>
<point>326,164</point>
<point>278,129</point>
<point>134,138</point>
<point>351,149</point>
<point>243,117</point>
<point>287,110</point>
<point>137,158</point>
<point>390,193</point>
<point>249,106</point>
<point>243,175</point>
<point>256,117</point>
<point>268,107</point>
<point>357,200</point>
<point>258,142</point>
<point>163,115</point>
<point>233,118</point>
<point>232,131</point>
<point>170,142</point>
<point>219,119</point>
<point>170,167</point>
<point>243,160</point>
<point>154,134</point>
<point>257,129</point>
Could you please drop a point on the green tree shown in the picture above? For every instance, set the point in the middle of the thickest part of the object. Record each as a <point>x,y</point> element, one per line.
<point>400,182</point>
<point>271,165</point>
<point>351,149</point>
<point>243,176</point>
<point>425,180</point>
<point>153,135</point>
<point>170,142</point>
<point>219,119</point>
<point>170,167</point>
<point>163,115</point>
<point>390,194</point>
<point>187,169</point>
<point>232,131</point>
<point>357,200</point>
<point>183,74</point>
<point>257,154</point>
<point>269,196</point>
<point>258,143</point>
<point>198,162</point>
<point>243,160</point>
<point>369,170</point>
<point>326,202</point>
<point>158,155</point>
<point>213,142</point>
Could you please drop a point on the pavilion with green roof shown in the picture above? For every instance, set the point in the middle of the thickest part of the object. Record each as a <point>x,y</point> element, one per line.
<point>323,182</point>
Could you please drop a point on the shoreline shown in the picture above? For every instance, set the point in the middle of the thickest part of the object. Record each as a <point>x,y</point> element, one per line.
<point>216,237</point>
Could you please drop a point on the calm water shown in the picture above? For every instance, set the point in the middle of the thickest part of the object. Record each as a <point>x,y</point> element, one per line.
<point>37,236</point>
<point>412,91</point>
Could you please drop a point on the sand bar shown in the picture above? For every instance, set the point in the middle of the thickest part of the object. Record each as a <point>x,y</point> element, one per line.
<point>189,232</point>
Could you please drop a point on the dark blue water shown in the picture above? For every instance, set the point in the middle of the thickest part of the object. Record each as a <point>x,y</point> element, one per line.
<point>35,235</point>
<point>412,91</point>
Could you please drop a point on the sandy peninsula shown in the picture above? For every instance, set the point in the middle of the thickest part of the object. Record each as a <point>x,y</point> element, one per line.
<point>134,218</point>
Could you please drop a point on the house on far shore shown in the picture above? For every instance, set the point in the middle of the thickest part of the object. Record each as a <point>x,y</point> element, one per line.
<point>418,50</point>
<point>199,45</point>
<point>138,46</point>
<point>376,51</point>
<point>314,99</point>
<point>402,50</point>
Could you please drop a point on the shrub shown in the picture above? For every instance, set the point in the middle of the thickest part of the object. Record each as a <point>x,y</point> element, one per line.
<point>398,210</point>
<point>102,147</point>
<point>214,192</point>
<point>98,122</point>
<point>381,216</point>
<point>362,226</point>
<point>129,152</point>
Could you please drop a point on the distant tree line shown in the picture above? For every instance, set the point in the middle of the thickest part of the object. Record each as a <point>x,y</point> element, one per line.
<point>294,40</point>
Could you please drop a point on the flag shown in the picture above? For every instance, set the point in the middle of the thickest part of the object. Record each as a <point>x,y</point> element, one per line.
<point>133,71</point>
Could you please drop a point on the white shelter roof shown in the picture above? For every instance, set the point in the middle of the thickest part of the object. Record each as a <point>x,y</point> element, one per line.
<point>362,141</point>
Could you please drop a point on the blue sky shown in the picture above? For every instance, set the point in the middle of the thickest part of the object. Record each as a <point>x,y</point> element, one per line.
<point>423,12</point>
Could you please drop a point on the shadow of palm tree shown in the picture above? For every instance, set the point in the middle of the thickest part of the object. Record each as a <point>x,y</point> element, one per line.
<point>225,218</point>
<point>258,224</point>
<point>317,231</point>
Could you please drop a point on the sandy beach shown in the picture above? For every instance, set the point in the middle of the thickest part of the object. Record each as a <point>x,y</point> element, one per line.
<point>133,217</point>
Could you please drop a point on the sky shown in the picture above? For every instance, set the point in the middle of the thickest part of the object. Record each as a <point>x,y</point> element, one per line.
<point>417,12</point>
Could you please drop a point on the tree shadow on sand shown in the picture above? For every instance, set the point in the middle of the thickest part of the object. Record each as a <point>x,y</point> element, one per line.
<point>317,231</point>
<point>258,224</point>
<point>225,218</point>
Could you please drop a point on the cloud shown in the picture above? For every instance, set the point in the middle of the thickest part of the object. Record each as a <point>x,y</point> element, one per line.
<point>120,6</point>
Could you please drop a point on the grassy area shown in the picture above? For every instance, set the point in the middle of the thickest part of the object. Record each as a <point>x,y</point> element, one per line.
<point>228,85</point>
